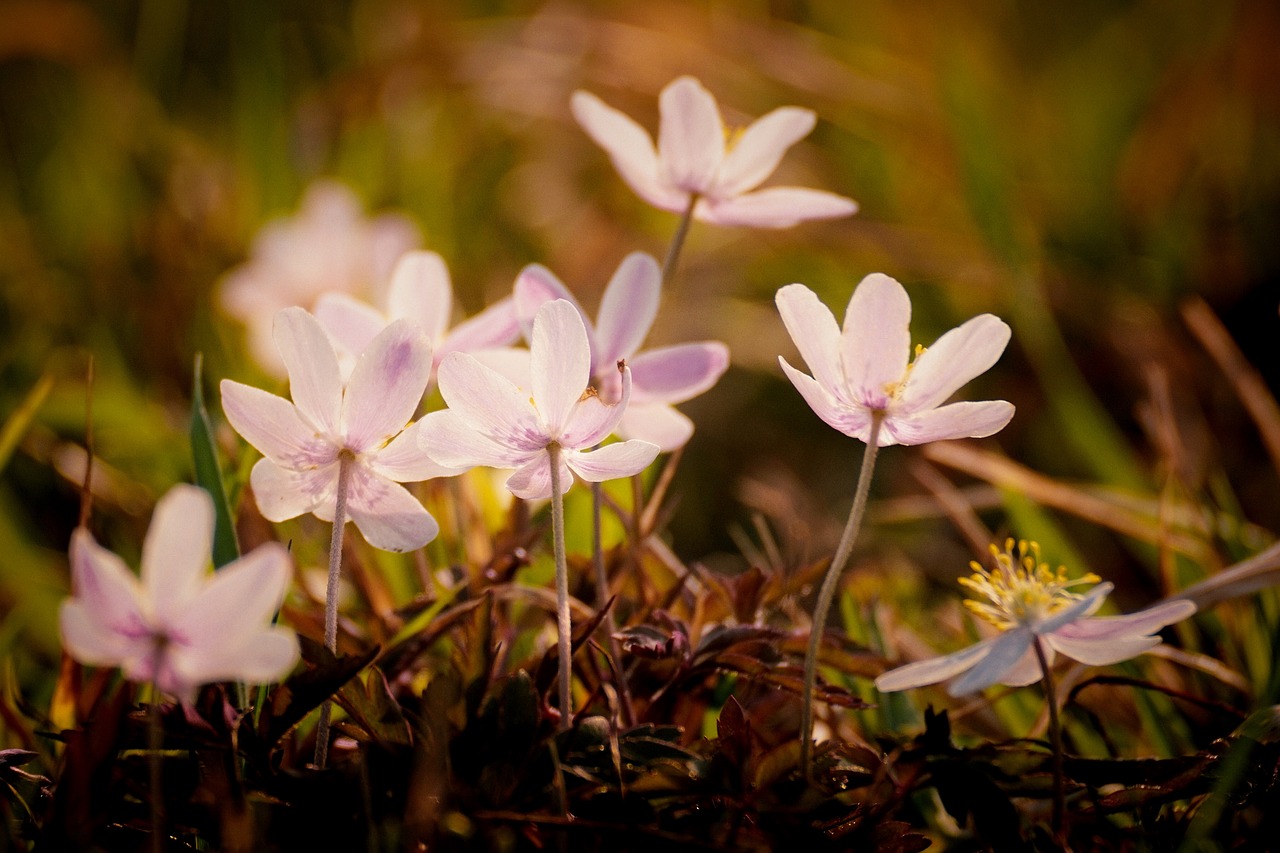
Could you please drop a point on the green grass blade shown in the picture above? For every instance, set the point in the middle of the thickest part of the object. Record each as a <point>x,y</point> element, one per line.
<point>209,474</point>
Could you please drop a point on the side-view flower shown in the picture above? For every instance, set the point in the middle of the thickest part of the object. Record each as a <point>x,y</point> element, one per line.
<point>1026,600</point>
<point>660,377</point>
<point>866,368</point>
<point>363,421</point>
<point>699,161</point>
<point>178,625</point>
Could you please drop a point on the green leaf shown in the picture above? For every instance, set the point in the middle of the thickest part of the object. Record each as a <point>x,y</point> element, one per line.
<point>209,474</point>
<point>16,426</point>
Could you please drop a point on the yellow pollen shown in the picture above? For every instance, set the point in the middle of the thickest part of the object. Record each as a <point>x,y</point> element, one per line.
<point>893,389</point>
<point>1020,588</point>
<point>732,133</point>
<point>588,394</point>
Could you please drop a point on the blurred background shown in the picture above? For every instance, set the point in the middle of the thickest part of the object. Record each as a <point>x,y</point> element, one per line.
<point>1092,172</point>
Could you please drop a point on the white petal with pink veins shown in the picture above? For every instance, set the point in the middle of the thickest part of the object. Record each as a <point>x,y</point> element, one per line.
<point>386,385</point>
<point>876,339</point>
<point>957,357</point>
<point>627,310</point>
<point>774,207</point>
<point>178,547</point>
<point>690,136</point>
<point>756,153</point>
<point>315,381</point>
<point>560,363</point>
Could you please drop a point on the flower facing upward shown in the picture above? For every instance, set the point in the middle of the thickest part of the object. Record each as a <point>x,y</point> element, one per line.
<point>660,377</point>
<point>1026,600</point>
<point>697,156</point>
<point>361,419</point>
<point>865,368</point>
<point>419,291</point>
<point>179,626</point>
<point>492,422</point>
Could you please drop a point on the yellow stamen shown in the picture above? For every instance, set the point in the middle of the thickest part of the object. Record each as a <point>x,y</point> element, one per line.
<point>1020,588</point>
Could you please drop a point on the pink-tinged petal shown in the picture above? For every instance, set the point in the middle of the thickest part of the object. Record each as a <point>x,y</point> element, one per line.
<point>273,426</point>
<point>630,148</point>
<point>404,460</point>
<point>386,385</point>
<point>421,291</point>
<point>1130,625</point>
<point>388,516</point>
<point>178,547</point>
<point>853,422</point>
<point>532,481</point>
<point>240,597</point>
<point>612,461</point>
<point>933,670</point>
<point>1102,652</point>
<point>388,237</point>
<point>452,440</point>
<point>511,363</point>
<point>490,404</point>
<point>1027,669</point>
<point>95,641</point>
<point>284,493</point>
<point>495,326</point>
<point>677,373</point>
<point>536,286</point>
<point>315,381</point>
<point>656,423</point>
<point>560,362</point>
<point>350,323</point>
<point>690,136</point>
<point>104,623</point>
<point>627,310</point>
<point>1003,656</point>
<point>958,356</point>
<point>1084,606</point>
<point>592,421</point>
<point>955,420</point>
<point>759,149</point>
<point>813,329</point>
<point>876,340</point>
<point>775,207</point>
<point>254,657</point>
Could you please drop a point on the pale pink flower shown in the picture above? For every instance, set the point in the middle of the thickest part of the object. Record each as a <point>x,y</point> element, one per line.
<point>179,625</point>
<point>492,422</point>
<point>867,367</point>
<point>698,156</point>
<point>364,418</point>
<point>329,245</point>
<point>1026,601</point>
<point>420,291</point>
<point>660,377</point>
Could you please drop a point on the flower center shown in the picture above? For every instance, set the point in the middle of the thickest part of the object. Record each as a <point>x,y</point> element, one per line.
<point>1020,589</point>
<point>893,390</point>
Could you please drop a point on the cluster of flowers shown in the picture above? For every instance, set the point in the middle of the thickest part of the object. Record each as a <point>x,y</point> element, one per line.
<point>347,440</point>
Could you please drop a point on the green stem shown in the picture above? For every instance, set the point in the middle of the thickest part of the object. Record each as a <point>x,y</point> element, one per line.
<point>331,597</point>
<point>1055,738</point>
<point>827,593</point>
<point>677,242</point>
<point>564,628</point>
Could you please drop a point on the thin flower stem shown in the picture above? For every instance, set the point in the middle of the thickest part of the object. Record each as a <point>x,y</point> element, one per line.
<point>564,627</point>
<point>602,598</point>
<point>827,593</point>
<point>677,242</point>
<point>155,741</point>
<point>1055,739</point>
<point>331,597</point>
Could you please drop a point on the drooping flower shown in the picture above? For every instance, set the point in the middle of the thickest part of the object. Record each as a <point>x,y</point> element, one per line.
<point>420,291</point>
<point>329,245</point>
<point>492,422</point>
<point>364,420</point>
<point>1026,600</point>
<point>867,368</point>
<point>179,625</point>
<point>697,155</point>
<point>660,377</point>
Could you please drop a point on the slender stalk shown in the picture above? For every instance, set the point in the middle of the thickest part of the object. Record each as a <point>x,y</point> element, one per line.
<point>1055,738</point>
<point>677,242</point>
<point>331,597</point>
<point>155,741</point>
<point>827,593</point>
<point>564,628</point>
<point>602,598</point>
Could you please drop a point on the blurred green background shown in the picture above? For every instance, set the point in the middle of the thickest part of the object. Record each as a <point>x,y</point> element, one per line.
<point>1080,169</point>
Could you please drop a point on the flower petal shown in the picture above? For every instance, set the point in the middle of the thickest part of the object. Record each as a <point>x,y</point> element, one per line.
<point>853,422</point>
<point>420,291</point>
<point>813,329</point>
<point>386,385</point>
<point>388,516</point>
<point>1005,652</point>
<point>955,420</point>
<point>1102,652</point>
<point>495,326</point>
<point>490,404</point>
<point>535,286</point>
<point>627,310</point>
<point>1087,604</point>
<point>561,363</point>
<point>958,356</point>
<point>178,547</point>
<point>315,382</point>
<point>273,426</point>
<point>759,149</point>
<point>630,148</point>
<point>104,623</point>
<point>677,373</point>
<point>656,423</point>
<point>452,440</point>
<point>592,420</point>
<point>775,207</point>
<point>404,460</point>
<point>876,340</point>
<point>690,136</point>
<point>284,493</point>
<point>1130,625</point>
<point>1027,669</point>
<point>254,657</point>
<point>351,325</point>
<point>933,670</point>
<point>532,481</point>
<point>612,461</point>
